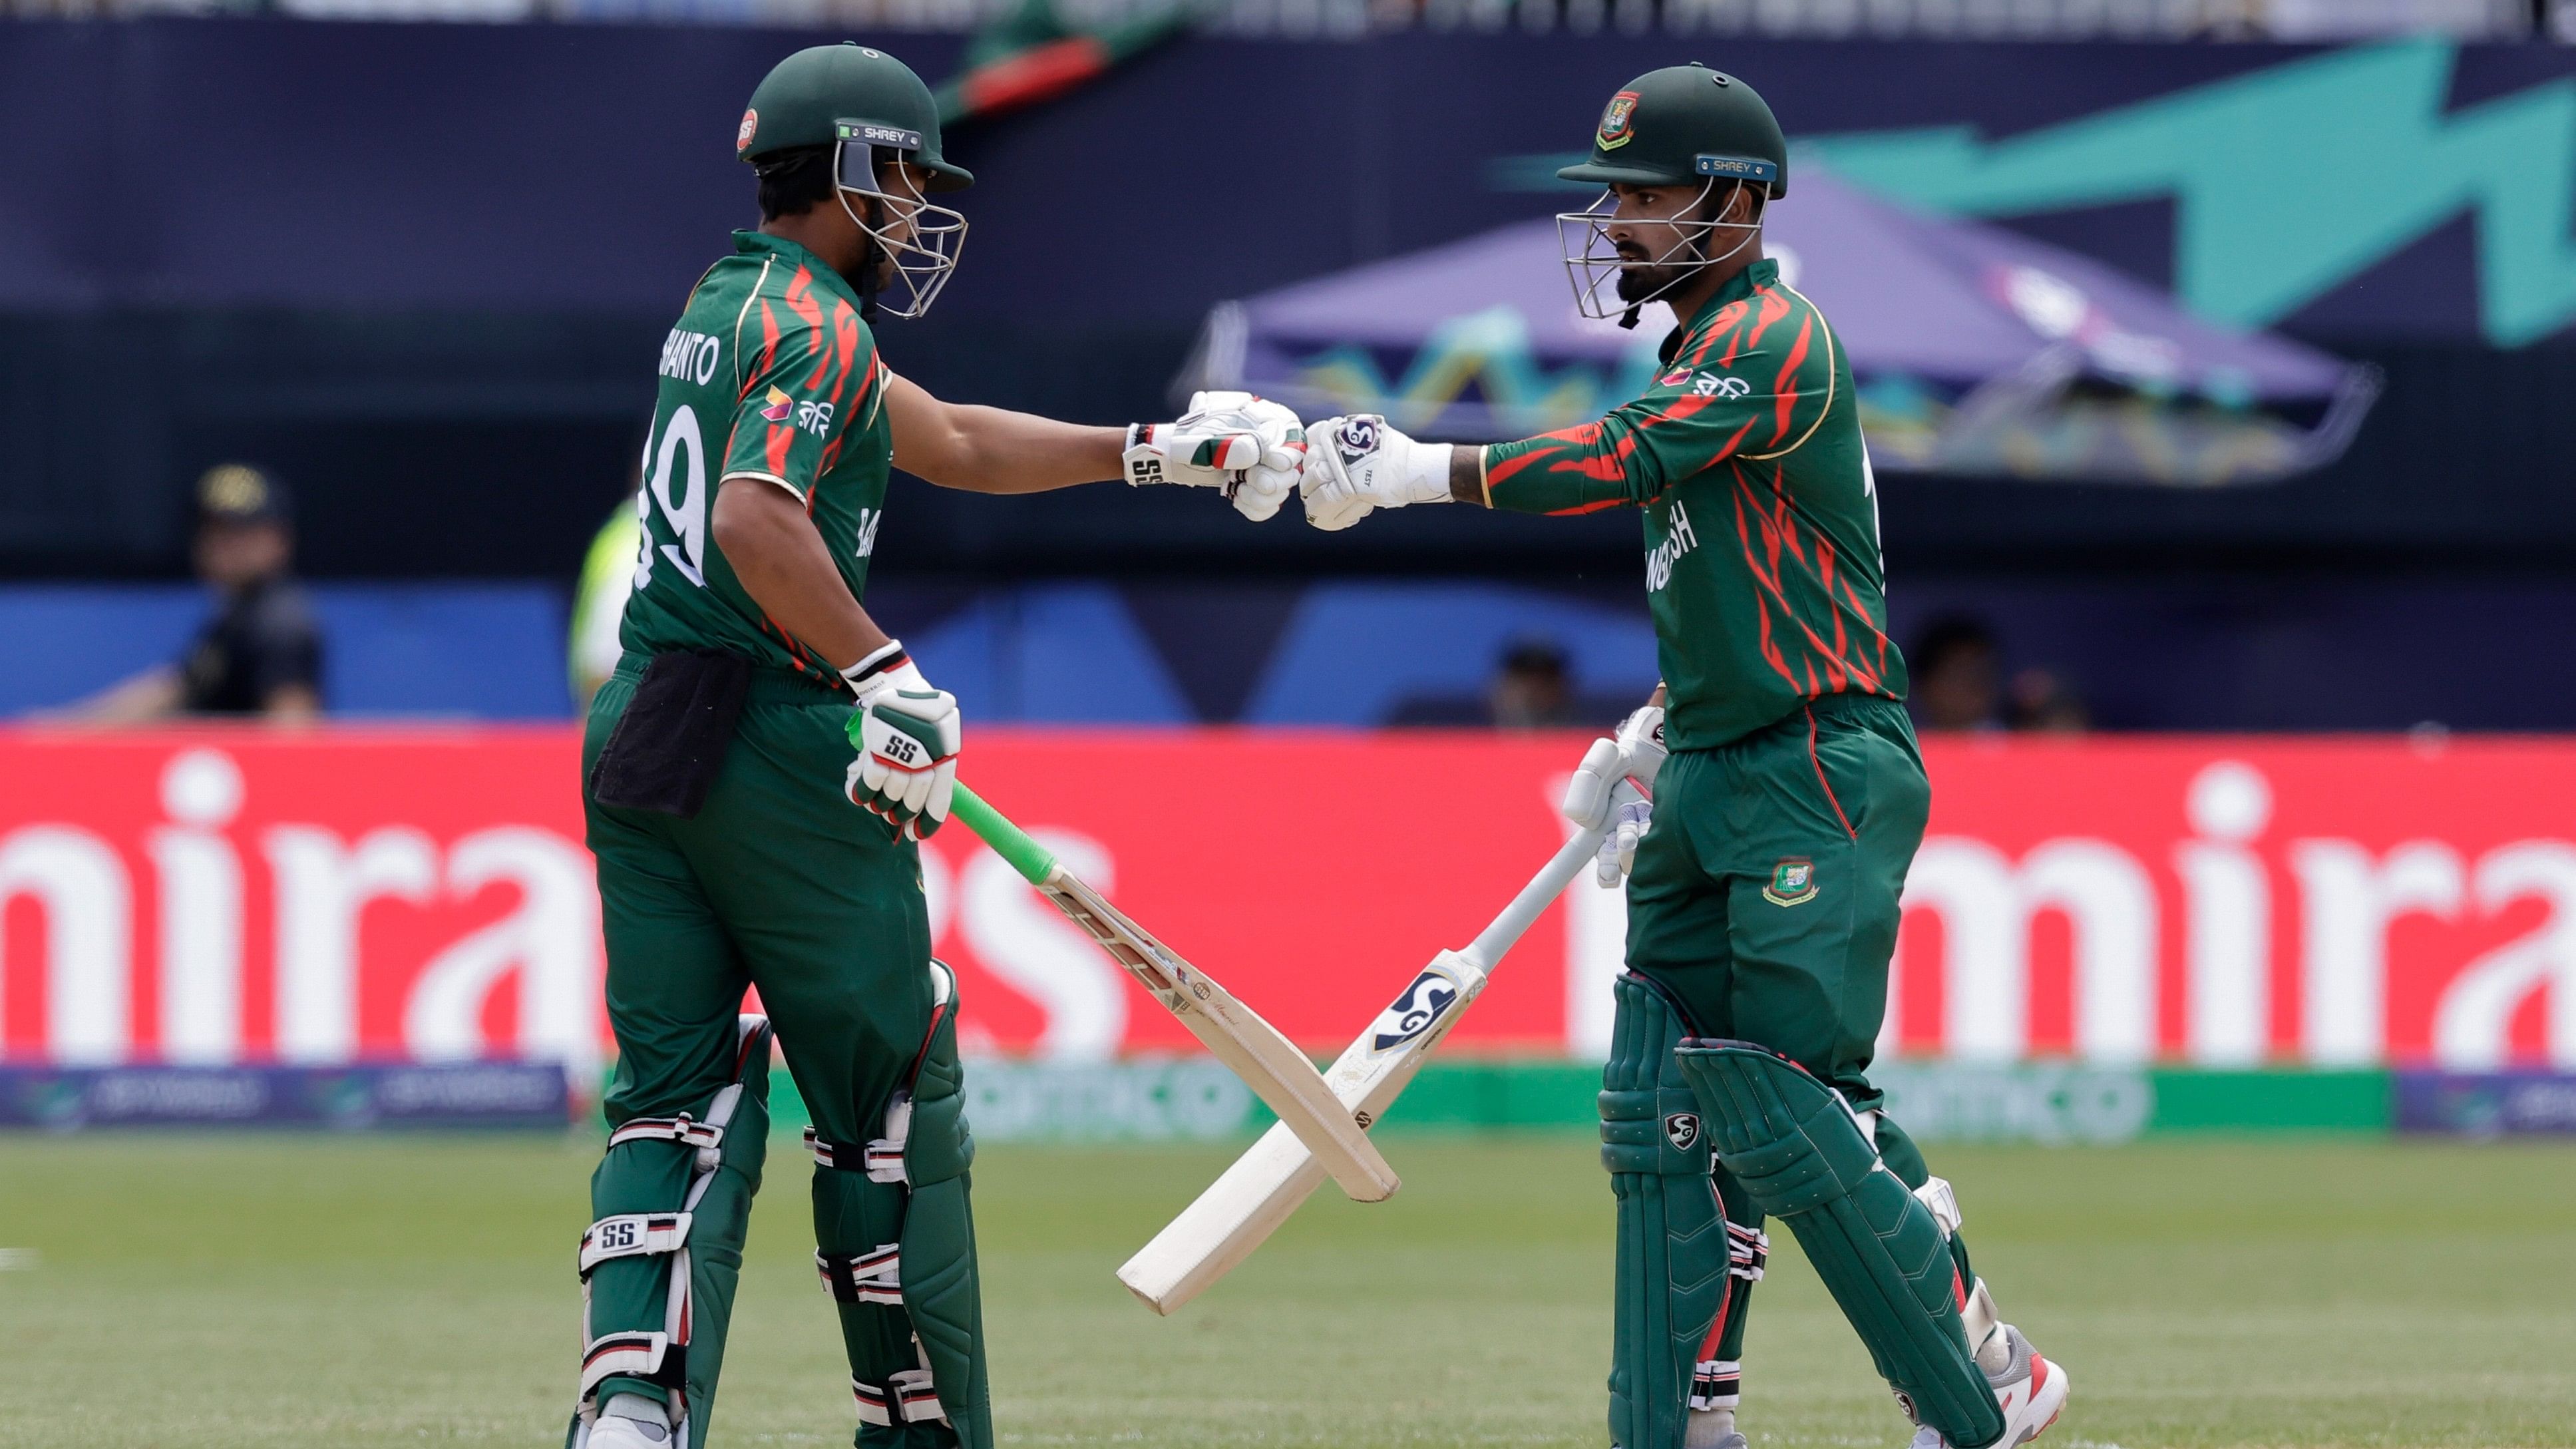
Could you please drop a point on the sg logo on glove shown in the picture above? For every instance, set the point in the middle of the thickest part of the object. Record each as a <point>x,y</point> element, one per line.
<point>1359,437</point>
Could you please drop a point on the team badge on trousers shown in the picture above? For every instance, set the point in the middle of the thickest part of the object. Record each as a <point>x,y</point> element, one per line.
<point>1793,882</point>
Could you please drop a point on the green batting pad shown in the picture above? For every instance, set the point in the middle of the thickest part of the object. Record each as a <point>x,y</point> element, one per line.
<point>1802,1157</point>
<point>634,1293</point>
<point>941,1288</point>
<point>1670,1275</point>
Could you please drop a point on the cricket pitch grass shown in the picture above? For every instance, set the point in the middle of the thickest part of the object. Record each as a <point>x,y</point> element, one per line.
<point>278,1292</point>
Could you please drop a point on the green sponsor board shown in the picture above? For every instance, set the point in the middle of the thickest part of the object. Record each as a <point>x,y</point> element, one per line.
<point>1193,1099</point>
<point>1134,1099</point>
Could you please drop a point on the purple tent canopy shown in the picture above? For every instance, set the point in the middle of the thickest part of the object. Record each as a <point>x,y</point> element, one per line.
<point>1975,350</point>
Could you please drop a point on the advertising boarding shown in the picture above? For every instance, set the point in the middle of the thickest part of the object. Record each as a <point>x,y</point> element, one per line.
<point>423,896</point>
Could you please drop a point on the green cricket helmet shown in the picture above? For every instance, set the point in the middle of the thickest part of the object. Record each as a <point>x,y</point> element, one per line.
<point>871,110</point>
<point>1684,126</point>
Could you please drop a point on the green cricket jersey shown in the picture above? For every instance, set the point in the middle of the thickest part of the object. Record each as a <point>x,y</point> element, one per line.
<point>771,376</point>
<point>1762,550</point>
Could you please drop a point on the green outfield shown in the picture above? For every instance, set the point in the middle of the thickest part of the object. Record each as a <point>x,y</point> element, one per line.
<point>287,1292</point>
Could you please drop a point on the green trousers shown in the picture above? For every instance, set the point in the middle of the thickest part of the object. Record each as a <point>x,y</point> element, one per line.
<point>1765,900</point>
<point>777,883</point>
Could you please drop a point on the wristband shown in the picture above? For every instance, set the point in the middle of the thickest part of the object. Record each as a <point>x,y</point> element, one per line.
<point>1144,464</point>
<point>872,672</point>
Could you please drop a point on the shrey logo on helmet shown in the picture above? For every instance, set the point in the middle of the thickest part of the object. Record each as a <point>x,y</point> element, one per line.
<point>743,133</point>
<point>1425,1001</point>
<point>1618,122</point>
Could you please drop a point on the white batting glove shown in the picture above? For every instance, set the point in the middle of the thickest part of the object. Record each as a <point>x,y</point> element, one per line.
<point>1629,821</point>
<point>1587,792</point>
<point>1641,744</point>
<point>1593,800</point>
<point>908,737</point>
<point>1252,448</point>
<point>1356,465</point>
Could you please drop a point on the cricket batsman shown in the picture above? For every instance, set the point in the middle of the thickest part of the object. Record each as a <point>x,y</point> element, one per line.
<point>739,841</point>
<point>1763,879</point>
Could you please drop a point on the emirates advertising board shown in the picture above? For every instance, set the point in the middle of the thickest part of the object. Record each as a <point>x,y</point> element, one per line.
<point>374,896</point>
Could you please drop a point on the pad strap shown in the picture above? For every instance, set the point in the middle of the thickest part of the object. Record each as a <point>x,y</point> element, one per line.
<point>1936,1194</point>
<point>1716,1384</point>
<point>905,1398</point>
<point>1747,1250</point>
<point>882,1159</point>
<point>648,1356</point>
<point>875,1277</point>
<point>628,1235</point>
<point>706,1137</point>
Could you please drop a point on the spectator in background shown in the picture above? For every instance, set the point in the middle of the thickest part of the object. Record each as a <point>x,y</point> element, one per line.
<point>1957,676</point>
<point>260,655</point>
<point>2042,704</point>
<point>1530,691</point>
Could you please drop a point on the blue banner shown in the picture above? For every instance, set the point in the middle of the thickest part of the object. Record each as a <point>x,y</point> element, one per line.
<point>2487,1104</point>
<point>349,1098</point>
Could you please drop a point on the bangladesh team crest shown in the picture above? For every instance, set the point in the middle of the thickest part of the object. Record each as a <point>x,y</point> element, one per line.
<point>1618,122</point>
<point>1793,882</point>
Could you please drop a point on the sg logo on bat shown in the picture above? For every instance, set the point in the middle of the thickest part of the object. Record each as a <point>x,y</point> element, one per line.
<point>1421,1003</point>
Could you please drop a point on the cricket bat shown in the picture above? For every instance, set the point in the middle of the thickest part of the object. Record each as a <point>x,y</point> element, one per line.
<point>1239,1211</point>
<point>1329,1137</point>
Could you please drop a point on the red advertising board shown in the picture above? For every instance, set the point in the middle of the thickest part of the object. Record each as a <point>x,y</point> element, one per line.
<point>420,893</point>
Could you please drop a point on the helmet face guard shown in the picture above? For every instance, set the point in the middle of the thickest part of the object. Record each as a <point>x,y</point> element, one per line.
<point>917,242</point>
<point>1593,263</point>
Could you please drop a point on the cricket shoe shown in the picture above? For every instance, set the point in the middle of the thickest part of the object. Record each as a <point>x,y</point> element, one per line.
<point>2029,1389</point>
<point>629,1421</point>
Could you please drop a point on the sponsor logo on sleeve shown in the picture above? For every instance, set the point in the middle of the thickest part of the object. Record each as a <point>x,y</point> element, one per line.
<point>778,407</point>
<point>814,417</point>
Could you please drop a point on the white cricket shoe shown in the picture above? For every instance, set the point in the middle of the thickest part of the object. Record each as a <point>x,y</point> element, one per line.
<point>2029,1389</point>
<point>629,1421</point>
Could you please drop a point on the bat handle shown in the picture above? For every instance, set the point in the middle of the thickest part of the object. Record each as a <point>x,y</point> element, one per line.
<point>1568,862</point>
<point>1032,860</point>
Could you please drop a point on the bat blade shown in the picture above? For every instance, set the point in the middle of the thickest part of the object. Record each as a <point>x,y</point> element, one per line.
<point>1236,1035</point>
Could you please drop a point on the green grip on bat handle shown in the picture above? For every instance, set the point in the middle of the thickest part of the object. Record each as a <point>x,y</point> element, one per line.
<point>1033,861</point>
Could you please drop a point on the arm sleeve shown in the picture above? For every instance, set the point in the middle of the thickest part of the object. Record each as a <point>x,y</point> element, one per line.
<point>802,383</point>
<point>1743,390</point>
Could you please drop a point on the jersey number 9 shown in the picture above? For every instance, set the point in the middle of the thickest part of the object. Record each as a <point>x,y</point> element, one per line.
<point>678,486</point>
